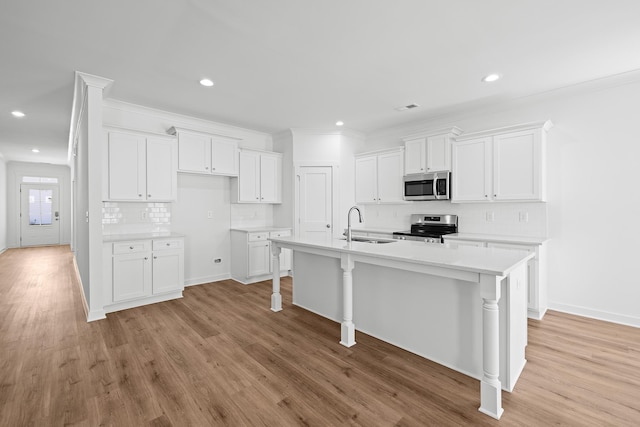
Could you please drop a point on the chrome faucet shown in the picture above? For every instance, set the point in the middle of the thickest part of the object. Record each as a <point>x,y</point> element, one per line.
<point>349,221</point>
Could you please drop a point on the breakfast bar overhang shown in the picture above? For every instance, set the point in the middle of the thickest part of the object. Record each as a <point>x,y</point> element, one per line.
<point>433,276</point>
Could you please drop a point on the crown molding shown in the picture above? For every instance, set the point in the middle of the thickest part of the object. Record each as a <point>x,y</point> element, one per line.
<point>452,130</point>
<point>545,126</point>
<point>193,124</point>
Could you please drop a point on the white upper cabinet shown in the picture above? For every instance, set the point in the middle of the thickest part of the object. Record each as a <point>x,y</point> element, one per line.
<point>206,154</point>
<point>161,169</point>
<point>472,170</point>
<point>379,177</point>
<point>140,167</point>
<point>259,179</point>
<point>415,155</point>
<point>500,165</point>
<point>429,152</point>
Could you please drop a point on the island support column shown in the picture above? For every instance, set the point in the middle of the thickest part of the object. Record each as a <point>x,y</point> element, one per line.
<point>490,386</point>
<point>348,329</point>
<point>276,298</point>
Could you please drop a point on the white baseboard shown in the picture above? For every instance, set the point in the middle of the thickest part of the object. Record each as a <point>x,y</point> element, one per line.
<point>96,315</point>
<point>206,279</point>
<point>3,250</point>
<point>596,314</point>
<point>85,304</point>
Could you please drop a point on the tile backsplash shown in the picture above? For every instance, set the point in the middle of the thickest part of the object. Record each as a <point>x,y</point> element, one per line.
<point>135,217</point>
<point>511,219</point>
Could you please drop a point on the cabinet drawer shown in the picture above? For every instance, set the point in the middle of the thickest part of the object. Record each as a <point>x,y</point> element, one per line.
<point>282,233</point>
<point>131,247</point>
<point>257,237</point>
<point>159,245</point>
<point>512,246</point>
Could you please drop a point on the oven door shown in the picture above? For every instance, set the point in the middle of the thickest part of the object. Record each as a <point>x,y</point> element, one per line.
<point>420,187</point>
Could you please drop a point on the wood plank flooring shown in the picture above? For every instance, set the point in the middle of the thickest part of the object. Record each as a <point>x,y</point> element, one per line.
<point>219,356</point>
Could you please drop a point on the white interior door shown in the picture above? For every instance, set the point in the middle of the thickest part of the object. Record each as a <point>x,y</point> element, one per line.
<point>315,202</point>
<point>39,215</point>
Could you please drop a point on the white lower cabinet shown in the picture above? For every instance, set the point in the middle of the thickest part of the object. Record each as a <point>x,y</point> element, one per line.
<point>537,286</point>
<point>142,272</point>
<point>251,255</point>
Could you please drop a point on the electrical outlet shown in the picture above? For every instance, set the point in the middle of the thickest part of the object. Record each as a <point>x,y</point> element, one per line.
<point>489,216</point>
<point>209,214</point>
<point>523,216</point>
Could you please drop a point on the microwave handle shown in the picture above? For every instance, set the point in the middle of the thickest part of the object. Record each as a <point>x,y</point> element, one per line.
<point>435,187</point>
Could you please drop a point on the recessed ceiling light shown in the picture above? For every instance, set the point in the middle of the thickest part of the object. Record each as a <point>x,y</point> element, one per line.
<point>17,113</point>
<point>35,150</point>
<point>490,78</point>
<point>206,82</point>
<point>339,123</point>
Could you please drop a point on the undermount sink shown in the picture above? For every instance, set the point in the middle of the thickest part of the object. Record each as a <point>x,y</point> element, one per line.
<point>369,240</point>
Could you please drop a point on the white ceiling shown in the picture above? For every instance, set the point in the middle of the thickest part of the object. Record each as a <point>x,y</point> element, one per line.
<point>282,64</point>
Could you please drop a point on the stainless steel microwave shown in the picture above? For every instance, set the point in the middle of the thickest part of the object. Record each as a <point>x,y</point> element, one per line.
<point>428,186</point>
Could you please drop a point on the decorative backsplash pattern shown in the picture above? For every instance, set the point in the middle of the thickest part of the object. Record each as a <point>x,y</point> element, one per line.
<point>134,217</point>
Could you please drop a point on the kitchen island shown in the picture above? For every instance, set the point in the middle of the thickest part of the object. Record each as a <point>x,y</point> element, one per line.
<point>463,307</point>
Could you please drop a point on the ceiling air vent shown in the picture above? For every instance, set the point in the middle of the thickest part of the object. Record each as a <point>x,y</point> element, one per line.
<point>407,107</point>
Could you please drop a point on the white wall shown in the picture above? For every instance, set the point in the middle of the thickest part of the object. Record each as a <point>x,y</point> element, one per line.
<point>592,177</point>
<point>205,239</point>
<point>314,147</point>
<point>15,172</point>
<point>3,205</point>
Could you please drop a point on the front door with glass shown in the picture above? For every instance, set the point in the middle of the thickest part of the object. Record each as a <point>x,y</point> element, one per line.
<point>39,215</point>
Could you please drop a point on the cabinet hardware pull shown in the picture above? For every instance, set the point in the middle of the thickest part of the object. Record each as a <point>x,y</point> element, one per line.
<point>139,195</point>
<point>148,195</point>
<point>155,257</point>
<point>168,244</point>
<point>146,258</point>
<point>130,247</point>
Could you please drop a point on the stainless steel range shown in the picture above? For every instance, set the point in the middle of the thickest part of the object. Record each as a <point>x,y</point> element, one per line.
<point>429,228</point>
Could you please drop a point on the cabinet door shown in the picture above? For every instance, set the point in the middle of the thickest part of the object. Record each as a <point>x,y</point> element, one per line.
<point>390,173</point>
<point>259,258</point>
<point>168,271</point>
<point>532,268</point>
<point>131,276</point>
<point>517,166</point>
<point>224,156</point>
<point>471,177</point>
<point>127,163</point>
<point>249,177</point>
<point>270,178</point>
<point>194,153</point>
<point>161,169</point>
<point>366,180</point>
<point>415,156</point>
<point>438,153</point>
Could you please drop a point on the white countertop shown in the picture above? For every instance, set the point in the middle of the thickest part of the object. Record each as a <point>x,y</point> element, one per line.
<point>259,229</point>
<point>493,261</point>
<point>139,236</point>
<point>524,240</point>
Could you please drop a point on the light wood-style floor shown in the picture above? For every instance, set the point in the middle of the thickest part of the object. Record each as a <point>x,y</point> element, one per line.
<point>219,356</point>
